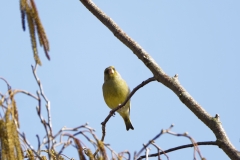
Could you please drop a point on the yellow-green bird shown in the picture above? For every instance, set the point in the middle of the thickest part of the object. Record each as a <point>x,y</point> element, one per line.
<point>115,92</point>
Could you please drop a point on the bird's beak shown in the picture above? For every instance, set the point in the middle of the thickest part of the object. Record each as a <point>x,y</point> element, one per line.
<point>110,71</point>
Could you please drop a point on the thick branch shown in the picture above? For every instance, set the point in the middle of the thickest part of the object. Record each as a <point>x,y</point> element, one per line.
<point>172,83</point>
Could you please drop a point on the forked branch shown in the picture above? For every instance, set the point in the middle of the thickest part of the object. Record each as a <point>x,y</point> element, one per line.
<point>172,83</point>
<point>111,113</point>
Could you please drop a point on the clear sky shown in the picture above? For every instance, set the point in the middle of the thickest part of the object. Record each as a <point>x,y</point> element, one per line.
<point>198,40</point>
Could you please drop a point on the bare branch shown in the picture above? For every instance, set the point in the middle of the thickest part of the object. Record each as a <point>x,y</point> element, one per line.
<point>152,140</point>
<point>123,104</point>
<point>112,151</point>
<point>126,152</point>
<point>39,144</point>
<point>25,92</point>
<point>28,144</point>
<point>168,131</point>
<point>159,149</point>
<point>172,83</point>
<point>47,125</point>
<point>191,139</point>
<point>180,147</point>
<point>8,85</point>
<point>146,151</point>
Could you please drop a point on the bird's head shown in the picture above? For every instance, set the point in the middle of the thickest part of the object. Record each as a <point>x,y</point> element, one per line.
<point>110,73</point>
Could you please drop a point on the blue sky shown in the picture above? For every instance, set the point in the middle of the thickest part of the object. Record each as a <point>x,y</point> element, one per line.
<point>198,40</point>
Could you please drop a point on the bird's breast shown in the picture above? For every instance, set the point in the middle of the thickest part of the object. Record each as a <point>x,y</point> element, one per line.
<point>115,92</point>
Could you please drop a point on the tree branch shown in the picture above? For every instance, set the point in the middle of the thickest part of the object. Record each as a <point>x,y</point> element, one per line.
<point>179,147</point>
<point>172,83</point>
<point>111,113</point>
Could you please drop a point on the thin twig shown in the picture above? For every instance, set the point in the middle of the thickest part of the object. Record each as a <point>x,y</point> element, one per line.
<point>47,125</point>
<point>25,92</point>
<point>152,140</point>
<point>65,144</point>
<point>146,151</point>
<point>179,147</point>
<point>69,129</point>
<point>191,139</point>
<point>112,151</point>
<point>45,98</point>
<point>124,103</point>
<point>159,149</point>
<point>9,87</point>
<point>29,146</point>
<point>43,121</point>
<point>39,144</point>
<point>73,136</point>
<point>126,152</point>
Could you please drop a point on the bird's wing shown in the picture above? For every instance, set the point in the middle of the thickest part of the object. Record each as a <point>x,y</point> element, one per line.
<point>129,91</point>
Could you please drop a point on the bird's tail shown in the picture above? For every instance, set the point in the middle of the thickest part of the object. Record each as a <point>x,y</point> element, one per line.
<point>128,123</point>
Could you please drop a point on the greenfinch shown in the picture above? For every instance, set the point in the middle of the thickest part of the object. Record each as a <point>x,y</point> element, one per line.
<point>115,92</point>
